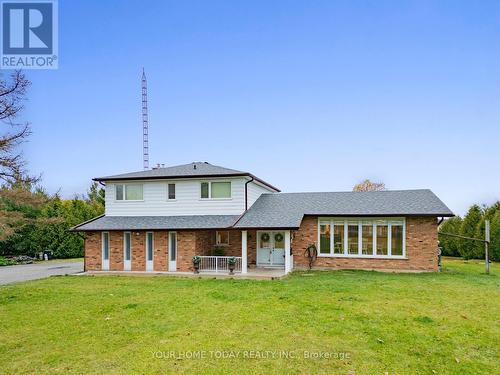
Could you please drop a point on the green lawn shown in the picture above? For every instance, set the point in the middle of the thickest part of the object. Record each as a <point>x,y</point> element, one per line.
<point>379,323</point>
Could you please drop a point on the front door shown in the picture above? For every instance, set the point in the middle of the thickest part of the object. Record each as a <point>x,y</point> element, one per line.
<point>271,249</point>
<point>172,251</point>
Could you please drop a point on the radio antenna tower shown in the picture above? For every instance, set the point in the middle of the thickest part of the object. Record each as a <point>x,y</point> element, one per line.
<point>145,125</point>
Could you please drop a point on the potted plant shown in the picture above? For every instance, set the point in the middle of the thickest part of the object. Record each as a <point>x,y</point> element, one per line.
<point>196,263</point>
<point>231,263</point>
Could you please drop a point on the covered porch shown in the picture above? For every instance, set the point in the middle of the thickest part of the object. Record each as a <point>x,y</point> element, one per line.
<point>254,251</point>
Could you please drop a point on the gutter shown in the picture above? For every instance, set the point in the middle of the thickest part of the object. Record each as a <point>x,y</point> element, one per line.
<point>246,192</point>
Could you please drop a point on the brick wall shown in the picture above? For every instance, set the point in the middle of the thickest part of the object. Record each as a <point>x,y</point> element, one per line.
<point>421,248</point>
<point>189,243</point>
<point>115,251</point>
<point>93,251</point>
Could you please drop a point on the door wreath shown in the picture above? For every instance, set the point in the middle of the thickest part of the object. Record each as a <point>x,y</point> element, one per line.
<point>278,237</point>
<point>264,237</point>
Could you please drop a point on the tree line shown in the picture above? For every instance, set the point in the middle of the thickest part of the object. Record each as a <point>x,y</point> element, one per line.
<point>472,225</point>
<point>33,221</point>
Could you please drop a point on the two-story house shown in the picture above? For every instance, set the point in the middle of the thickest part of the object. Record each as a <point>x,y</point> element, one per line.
<point>157,220</point>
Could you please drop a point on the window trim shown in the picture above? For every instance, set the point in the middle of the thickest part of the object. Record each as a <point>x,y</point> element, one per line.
<point>175,192</point>
<point>125,247</point>
<point>362,221</point>
<point>125,193</point>
<point>210,190</point>
<point>108,242</point>
<point>152,246</point>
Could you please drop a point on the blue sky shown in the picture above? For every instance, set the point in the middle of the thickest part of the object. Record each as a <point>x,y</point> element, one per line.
<point>308,95</point>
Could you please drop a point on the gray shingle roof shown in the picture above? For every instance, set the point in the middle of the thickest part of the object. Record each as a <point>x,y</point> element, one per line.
<point>157,222</point>
<point>286,210</point>
<point>191,170</point>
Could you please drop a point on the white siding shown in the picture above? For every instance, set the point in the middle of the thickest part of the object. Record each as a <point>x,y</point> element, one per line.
<point>254,191</point>
<point>187,200</point>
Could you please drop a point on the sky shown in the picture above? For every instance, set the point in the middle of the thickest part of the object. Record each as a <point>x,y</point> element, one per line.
<point>307,95</point>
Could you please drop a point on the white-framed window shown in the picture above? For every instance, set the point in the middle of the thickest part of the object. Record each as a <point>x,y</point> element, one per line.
<point>149,246</point>
<point>215,190</point>
<point>222,237</point>
<point>129,192</point>
<point>105,245</point>
<point>170,191</point>
<point>127,245</point>
<point>362,237</point>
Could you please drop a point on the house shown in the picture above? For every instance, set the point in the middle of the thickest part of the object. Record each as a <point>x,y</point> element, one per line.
<point>157,220</point>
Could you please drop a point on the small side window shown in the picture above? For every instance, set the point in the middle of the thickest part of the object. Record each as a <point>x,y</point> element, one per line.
<point>204,190</point>
<point>171,191</point>
<point>222,237</point>
<point>119,192</point>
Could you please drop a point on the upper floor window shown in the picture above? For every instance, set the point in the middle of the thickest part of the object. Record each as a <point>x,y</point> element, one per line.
<point>222,237</point>
<point>215,190</point>
<point>171,191</point>
<point>129,192</point>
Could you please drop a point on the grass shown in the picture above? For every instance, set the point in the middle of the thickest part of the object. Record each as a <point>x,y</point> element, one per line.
<point>369,322</point>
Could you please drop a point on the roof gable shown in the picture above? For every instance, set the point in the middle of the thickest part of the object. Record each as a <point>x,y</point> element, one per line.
<point>191,170</point>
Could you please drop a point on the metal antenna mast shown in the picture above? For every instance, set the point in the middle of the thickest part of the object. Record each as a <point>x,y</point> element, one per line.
<point>145,125</point>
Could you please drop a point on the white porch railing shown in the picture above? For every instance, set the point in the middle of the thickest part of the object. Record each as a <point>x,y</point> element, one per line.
<point>218,264</point>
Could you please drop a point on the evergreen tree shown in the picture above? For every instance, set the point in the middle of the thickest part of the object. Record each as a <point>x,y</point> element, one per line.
<point>448,244</point>
<point>468,248</point>
<point>495,237</point>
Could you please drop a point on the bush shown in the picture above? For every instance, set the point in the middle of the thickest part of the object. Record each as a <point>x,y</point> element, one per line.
<point>6,262</point>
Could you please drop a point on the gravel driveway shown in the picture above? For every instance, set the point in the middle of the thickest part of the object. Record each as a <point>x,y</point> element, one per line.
<point>23,272</point>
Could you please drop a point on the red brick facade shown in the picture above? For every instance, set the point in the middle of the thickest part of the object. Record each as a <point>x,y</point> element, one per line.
<point>189,243</point>
<point>421,248</point>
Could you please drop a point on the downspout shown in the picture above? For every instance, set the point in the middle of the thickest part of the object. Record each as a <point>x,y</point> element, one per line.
<point>246,192</point>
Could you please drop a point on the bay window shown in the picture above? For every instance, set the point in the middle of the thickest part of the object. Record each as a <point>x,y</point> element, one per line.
<point>353,237</point>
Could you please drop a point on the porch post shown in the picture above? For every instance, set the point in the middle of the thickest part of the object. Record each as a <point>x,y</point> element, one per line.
<point>288,260</point>
<point>244,251</point>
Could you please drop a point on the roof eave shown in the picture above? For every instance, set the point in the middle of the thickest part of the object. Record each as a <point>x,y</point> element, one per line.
<point>133,178</point>
<point>449,214</point>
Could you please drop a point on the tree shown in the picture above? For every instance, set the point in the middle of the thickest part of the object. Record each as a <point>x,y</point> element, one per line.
<point>12,96</point>
<point>468,248</point>
<point>450,245</point>
<point>95,194</point>
<point>20,205</point>
<point>495,237</point>
<point>368,185</point>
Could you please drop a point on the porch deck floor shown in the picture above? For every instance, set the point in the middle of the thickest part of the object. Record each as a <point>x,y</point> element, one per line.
<point>253,273</point>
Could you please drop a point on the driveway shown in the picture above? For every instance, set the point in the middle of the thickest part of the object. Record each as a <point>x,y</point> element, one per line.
<point>23,272</point>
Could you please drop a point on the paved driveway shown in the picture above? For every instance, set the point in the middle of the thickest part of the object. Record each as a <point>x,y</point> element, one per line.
<point>23,272</point>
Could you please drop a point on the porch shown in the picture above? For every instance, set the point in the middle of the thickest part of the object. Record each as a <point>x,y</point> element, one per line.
<point>257,252</point>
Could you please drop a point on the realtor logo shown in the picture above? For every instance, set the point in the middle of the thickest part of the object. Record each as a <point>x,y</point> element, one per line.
<point>29,34</point>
